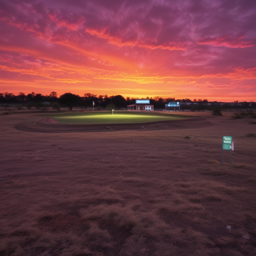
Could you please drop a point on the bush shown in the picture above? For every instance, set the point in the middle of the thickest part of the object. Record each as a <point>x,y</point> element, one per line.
<point>252,114</point>
<point>216,112</point>
<point>39,105</point>
<point>111,106</point>
<point>236,116</point>
<point>56,106</point>
<point>30,105</point>
<point>252,135</point>
<point>249,114</point>
<point>6,113</point>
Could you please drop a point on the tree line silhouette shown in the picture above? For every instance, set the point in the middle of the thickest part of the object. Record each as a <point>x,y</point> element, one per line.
<point>89,100</point>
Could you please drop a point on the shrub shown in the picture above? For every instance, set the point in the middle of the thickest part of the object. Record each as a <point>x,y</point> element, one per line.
<point>249,114</point>
<point>30,105</point>
<point>6,113</point>
<point>39,105</point>
<point>236,116</point>
<point>216,112</point>
<point>252,135</point>
<point>56,106</point>
<point>110,106</point>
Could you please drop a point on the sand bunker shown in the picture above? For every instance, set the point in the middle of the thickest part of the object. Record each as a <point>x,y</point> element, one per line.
<point>49,125</point>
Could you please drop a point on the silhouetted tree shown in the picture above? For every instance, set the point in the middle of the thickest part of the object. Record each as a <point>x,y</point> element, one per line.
<point>119,101</point>
<point>31,96</point>
<point>2,99</point>
<point>8,96</point>
<point>38,97</point>
<point>53,94</point>
<point>89,98</point>
<point>106,101</point>
<point>21,96</point>
<point>70,100</point>
<point>111,106</point>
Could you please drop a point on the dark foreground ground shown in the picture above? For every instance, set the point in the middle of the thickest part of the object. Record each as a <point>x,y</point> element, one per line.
<point>124,193</point>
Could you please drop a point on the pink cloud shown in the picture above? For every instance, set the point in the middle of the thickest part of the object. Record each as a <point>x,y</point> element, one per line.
<point>227,41</point>
<point>137,42</point>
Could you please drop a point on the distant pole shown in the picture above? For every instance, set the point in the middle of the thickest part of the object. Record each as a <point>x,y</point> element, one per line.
<point>222,156</point>
<point>112,111</point>
<point>232,149</point>
<point>231,159</point>
<point>93,103</point>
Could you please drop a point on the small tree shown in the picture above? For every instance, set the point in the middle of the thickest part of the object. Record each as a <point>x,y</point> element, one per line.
<point>53,94</point>
<point>70,100</point>
<point>38,97</point>
<point>110,106</point>
<point>119,101</point>
<point>216,111</point>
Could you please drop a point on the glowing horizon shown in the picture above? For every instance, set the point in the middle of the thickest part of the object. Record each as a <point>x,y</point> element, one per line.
<point>143,48</point>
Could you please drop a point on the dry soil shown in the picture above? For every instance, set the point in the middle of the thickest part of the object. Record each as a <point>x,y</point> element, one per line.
<point>128,192</point>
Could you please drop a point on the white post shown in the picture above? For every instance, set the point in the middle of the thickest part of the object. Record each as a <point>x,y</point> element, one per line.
<point>112,111</point>
<point>93,103</point>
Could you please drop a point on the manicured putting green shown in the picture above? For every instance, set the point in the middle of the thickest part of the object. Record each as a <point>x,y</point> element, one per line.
<point>116,118</point>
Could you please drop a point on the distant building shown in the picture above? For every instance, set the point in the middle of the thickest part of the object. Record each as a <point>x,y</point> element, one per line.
<point>172,105</point>
<point>143,105</point>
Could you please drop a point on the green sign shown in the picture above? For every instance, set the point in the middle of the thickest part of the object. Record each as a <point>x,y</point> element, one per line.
<point>227,143</point>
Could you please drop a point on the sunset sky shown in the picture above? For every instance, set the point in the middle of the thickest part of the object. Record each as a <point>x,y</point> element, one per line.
<point>201,49</point>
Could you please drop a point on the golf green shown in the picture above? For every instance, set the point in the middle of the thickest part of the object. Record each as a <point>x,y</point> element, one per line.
<point>116,118</point>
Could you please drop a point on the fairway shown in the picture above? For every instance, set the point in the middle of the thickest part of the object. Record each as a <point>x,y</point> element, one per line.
<point>116,118</point>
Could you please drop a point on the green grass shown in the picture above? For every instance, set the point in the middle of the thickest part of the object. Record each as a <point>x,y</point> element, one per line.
<point>117,118</point>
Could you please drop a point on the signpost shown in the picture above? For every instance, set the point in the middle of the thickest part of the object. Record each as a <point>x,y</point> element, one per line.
<point>227,144</point>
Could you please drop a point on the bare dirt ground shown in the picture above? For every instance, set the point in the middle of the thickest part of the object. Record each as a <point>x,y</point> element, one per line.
<point>135,192</point>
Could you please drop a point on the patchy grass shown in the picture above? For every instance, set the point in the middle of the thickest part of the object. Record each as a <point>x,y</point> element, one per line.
<point>251,135</point>
<point>244,114</point>
<point>242,165</point>
<point>213,162</point>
